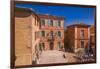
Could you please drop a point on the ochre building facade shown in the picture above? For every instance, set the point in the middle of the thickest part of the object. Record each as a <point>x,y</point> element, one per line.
<point>51,32</point>
<point>26,25</point>
<point>35,33</point>
<point>79,36</point>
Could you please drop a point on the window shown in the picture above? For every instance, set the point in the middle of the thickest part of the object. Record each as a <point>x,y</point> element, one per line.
<point>51,35</point>
<point>43,22</point>
<point>59,24</point>
<point>51,45</point>
<point>82,43</point>
<point>37,23</point>
<point>40,48</point>
<point>51,22</point>
<point>59,33</point>
<point>56,23</point>
<point>43,33</point>
<point>59,45</point>
<point>82,33</point>
<point>43,46</point>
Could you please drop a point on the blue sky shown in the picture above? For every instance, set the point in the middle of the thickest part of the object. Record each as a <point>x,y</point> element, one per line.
<point>72,14</point>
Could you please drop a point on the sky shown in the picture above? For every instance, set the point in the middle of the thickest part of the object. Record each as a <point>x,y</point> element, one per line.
<point>72,14</point>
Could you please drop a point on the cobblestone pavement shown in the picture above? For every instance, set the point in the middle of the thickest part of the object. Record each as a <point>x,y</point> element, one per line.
<point>54,56</point>
<point>51,56</point>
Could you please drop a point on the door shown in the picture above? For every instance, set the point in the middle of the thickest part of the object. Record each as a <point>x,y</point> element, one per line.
<point>51,45</point>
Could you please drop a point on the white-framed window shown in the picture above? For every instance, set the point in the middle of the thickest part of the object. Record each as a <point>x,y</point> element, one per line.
<point>42,22</point>
<point>59,45</point>
<point>50,22</point>
<point>59,23</point>
<point>51,34</point>
<point>59,34</point>
<point>56,23</point>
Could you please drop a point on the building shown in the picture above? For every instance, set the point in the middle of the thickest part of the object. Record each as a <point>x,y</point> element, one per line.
<point>51,32</point>
<point>27,24</point>
<point>78,36</point>
<point>92,39</point>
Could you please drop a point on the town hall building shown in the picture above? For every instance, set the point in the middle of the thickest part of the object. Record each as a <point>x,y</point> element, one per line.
<point>51,32</point>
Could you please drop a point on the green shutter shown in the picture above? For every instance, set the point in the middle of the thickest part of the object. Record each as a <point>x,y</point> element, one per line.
<point>59,45</point>
<point>61,34</point>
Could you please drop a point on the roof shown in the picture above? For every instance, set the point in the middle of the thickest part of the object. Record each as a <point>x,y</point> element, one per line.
<point>23,9</point>
<point>79,25</point>
<point>24,12</point>
<point>47,16</point>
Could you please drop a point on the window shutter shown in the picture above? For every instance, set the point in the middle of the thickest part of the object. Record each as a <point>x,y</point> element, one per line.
<point>61,34</point>
<point>54,23</point>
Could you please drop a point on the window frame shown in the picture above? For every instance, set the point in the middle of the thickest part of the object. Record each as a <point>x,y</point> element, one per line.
<point>43,33</point>
<point>59,33</point>
<point>42,22</point>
